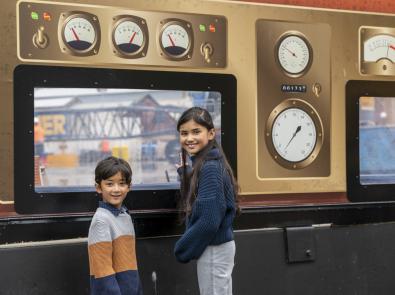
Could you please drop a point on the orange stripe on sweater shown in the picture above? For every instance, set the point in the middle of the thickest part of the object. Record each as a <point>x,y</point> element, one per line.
<point>107,258</point>
<point>100,259</point>
<point>124,254</point>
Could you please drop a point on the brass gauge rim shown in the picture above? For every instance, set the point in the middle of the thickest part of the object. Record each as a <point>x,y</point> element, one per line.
<point>187,27</point>
<point>308,109</point>
<point>142,24</point>
<point>309,48</point>
<point>65,18</point>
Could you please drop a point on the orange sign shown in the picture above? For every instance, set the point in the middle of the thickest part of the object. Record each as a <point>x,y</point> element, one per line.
<point>53,124</point>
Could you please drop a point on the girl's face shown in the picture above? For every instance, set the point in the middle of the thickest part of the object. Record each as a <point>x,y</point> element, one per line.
<point>113,190</point>
<point>194,137</point>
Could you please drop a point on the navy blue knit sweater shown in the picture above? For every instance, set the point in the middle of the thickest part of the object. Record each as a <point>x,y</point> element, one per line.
<point>213,211</point>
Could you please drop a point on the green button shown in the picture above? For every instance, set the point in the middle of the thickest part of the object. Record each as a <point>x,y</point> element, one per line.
<point>34,15</point>
<point>202,28</point>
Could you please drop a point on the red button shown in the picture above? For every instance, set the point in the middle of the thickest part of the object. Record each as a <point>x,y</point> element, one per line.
<point>46,16</point>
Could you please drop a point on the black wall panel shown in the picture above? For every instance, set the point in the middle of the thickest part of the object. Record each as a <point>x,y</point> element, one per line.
<point>355,259</point>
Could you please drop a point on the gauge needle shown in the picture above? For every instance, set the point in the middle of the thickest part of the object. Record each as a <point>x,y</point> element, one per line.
<point>131,39</point>
<point>293,54</point>
<point>388,48</point>
<point>293,136</point>
<point>171,40</point>
<point>75,34</point>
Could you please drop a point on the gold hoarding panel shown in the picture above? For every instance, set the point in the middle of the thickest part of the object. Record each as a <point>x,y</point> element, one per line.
<point>257,171</point>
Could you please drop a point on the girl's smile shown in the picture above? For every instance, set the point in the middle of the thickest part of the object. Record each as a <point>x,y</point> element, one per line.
<point>194,137</point>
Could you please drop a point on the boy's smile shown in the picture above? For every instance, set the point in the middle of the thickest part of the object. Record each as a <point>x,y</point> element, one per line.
<point>194,137</point>
<point>113,189</point>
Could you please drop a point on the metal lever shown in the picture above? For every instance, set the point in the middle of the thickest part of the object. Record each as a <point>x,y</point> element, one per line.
<point>207,51</point>
<point>40,39</point>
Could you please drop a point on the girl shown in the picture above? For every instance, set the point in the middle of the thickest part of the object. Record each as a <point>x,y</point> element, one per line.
<point>209,201</point>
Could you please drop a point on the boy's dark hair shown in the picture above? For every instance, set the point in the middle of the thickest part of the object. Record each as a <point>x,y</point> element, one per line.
<point>111,166</point>
<point>189,180</point>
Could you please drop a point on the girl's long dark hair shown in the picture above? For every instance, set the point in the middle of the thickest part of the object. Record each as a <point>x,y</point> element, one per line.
<point>190,180</point>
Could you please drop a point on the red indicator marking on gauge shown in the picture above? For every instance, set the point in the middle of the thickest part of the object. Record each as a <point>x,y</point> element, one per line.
<point>171,40</point>
<point>131,39</point>
<point>75,34</point>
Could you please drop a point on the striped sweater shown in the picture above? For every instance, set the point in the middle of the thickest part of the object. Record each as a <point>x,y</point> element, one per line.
<point>112,256</point>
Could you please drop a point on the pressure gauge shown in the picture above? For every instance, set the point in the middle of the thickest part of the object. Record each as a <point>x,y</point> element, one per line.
<point>377,50</point>
<point>379,47</point>
<point>294,54</point>
<point>80,33</point>
<point>294,134</point>
<point>130,36</point>
<point>176,39</point>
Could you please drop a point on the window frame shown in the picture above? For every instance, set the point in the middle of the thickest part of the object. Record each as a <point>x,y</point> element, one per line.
<point>28,77</point>
<point>357,192</point>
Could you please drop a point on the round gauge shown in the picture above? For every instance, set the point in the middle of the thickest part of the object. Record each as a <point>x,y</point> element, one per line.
<point>79,34</point>
<point>294,54</point>
<point>294,134</point>
<point>128,36</point>
<point>176,39</point>
<point>379,47</point>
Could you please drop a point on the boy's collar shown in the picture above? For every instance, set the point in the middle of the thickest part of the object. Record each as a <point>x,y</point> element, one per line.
<point>112,209</point>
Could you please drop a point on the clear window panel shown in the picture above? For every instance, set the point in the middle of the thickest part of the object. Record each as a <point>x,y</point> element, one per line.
<point>74,128</point>
<point>377,140</point>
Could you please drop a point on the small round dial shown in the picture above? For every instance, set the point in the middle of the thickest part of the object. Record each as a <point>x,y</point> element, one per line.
<point>176,40</point>
<point>79,34</point>
<point>294,134</point>
<point>128,37</point>
<point>294,55</point>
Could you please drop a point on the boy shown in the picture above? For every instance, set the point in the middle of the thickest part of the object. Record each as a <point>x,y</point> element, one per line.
<point>111,239</point>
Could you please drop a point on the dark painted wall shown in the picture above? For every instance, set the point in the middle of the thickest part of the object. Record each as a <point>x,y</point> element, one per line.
<point>354,259</point>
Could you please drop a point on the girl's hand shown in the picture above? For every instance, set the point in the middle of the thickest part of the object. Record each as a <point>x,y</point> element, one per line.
<point>181,162</point>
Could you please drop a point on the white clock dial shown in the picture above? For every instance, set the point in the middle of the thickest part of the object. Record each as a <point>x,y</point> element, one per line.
<point>294,55</point>
<point>294,135</point>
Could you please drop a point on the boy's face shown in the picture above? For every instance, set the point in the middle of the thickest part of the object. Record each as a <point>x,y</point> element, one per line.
<point>113,190</point>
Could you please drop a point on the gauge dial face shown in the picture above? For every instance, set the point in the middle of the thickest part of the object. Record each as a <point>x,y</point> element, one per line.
<point>79,34</point>
<point>294,54</point>
<point>128,37</point>
<point>294,135</point>
<point>175,40</point>
<point>379,47</point>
